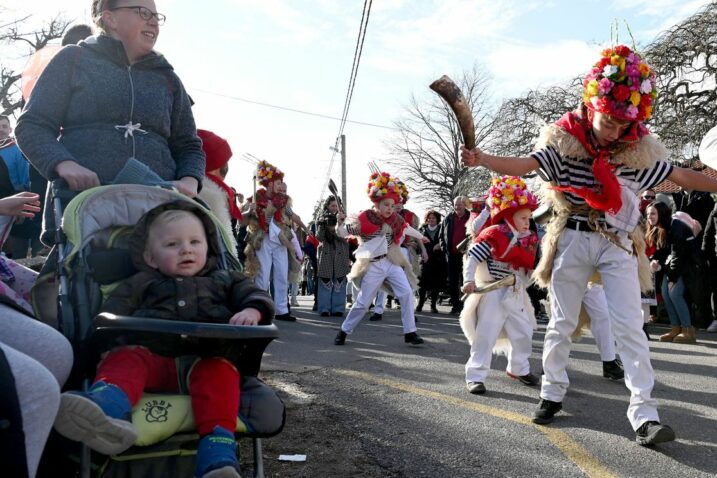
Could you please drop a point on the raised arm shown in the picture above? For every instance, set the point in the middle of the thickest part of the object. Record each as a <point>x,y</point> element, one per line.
<point>692,180</point>
<point>514,166</point>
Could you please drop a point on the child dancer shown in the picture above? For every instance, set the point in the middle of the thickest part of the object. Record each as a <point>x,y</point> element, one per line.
<point>379,258</point>
<point>507,247</point>
<point>598,159</point>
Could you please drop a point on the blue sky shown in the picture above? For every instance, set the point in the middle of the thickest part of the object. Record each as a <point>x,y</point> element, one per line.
<point>298,54</point>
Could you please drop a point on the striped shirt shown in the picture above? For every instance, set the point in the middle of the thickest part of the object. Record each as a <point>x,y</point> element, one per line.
<point>568,171</point>
<point>482,252</point>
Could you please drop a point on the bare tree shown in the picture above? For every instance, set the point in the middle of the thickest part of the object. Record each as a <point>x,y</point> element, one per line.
<point>425,150</point>
<point>27,41</point>
<point>685,59</point>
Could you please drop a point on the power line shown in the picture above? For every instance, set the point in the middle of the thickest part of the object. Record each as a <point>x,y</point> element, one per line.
<point>349,92</point>
<point>285,108</point>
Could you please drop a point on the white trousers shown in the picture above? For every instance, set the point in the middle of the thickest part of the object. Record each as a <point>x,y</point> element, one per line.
<point>379,302</point>
<point>274,254</point>
<point>497,310</point>
<point>370,283</point>
<point>577,255</point>
<point>595,304</point>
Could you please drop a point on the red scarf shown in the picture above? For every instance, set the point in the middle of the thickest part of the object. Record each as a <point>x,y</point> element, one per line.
<point>234,211</point>
<point>278,200</point>
<point>371,222</point>
<point>606,196</point>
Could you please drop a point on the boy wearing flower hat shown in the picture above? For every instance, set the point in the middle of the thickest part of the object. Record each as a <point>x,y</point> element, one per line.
<point>597,160</point>
<point>378,258</point>
<point>269,238</point>
<point>507,247</point>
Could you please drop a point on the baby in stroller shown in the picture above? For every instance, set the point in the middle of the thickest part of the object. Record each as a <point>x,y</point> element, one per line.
<point>175,248</point>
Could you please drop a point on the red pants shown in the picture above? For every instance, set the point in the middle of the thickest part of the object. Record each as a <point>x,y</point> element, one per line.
<point>213,383</point>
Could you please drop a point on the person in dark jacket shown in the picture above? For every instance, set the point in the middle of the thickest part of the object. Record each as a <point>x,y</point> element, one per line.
<point>334,263</point>
<point>697,204</point>
<point>674,237</point>
<point>709,250</point>
<point>108,99</point>
<point>175,247</point>
<point>453,232</point>
<point>433,272</point>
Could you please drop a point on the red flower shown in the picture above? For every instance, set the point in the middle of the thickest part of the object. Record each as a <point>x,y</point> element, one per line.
<point>622,50</point>
<point>646,100</point>
<point>621,93</point>
<point>604,61</point>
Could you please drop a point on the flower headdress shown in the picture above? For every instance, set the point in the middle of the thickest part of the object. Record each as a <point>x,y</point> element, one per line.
<point>620,84</point>
<point>267,172</point>
<point>383,185</point>
<point>508,194</point>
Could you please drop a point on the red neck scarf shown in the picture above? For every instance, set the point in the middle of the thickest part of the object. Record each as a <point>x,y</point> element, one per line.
<point>606,196</point>
<point>371,222</point>
<point>234,211</point>
<point>278,200</point>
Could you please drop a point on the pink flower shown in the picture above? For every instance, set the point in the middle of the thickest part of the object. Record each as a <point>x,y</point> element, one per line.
<point>631,112</point>
<point>604,86</point>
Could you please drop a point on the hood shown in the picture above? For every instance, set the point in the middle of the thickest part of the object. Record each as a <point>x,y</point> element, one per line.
<point>139,236</point>
<point>113,49</point>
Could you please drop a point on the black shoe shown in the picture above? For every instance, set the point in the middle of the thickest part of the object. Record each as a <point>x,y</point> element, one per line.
<point>285,317</point>
<point>389,304</point>
<point>324,314</point>
<point>412,338</point>
<point>419,308</point>
<point>455,311</point>
<point>476,388</point>
<point>375,317</point>
<point>647,334</point>
<point>340,338</point>
<point>529,379</point>
<point>337,314</point>
<point>434,310</point>
<point>546,410</point>
<point>651,433</point>
<point>612,370</point>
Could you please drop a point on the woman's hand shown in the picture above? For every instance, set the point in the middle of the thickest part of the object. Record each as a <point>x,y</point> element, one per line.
<point>437,247</point>
<point>471,157</point>
<point>247,316</point>
<point>469,287</point>
<point>341,217</point>
<point>78,177</point>
<point>24,204</point>
<point>187,186</point>
<point>655,266</point>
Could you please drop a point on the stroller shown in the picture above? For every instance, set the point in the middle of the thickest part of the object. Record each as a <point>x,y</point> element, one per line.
<point>89,257</point>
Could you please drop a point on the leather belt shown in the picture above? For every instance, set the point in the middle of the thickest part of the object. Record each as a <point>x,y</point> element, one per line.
<point>576,225</point>
<point>378,258</point>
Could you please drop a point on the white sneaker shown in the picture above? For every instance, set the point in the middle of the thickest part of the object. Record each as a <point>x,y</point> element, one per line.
<point>294,302</point>
<point>712,327</point>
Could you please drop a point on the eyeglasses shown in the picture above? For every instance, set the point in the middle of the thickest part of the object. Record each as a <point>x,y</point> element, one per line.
<point>145,13</point>
<point>648,198</point>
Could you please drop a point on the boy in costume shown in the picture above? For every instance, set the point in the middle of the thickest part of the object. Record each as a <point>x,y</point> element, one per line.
<point>507,247</point>
<point>598,159</point>
<point>379,258</point>
<point>269,238</point>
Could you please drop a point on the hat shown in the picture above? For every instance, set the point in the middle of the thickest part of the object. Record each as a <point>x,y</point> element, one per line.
<point>267,172</point>
<point>382,186</point>
<point>620,84</point>
<point>215,148</point>
<point>508,194</point>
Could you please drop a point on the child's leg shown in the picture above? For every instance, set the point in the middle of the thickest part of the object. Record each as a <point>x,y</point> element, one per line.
<point>491,318</point>
<point>280,279</point>
<point>214,387</point>
<point>519,329</point>
<point>370,283</point>
<point>263,255</point>
<point>571,271</point>
<point>379,302</point>
<point>402,291</point>
<point>596,307</point>
<point>622,289</point>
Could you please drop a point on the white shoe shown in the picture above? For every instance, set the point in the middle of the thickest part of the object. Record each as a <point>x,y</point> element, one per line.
<point>712,327</point>
<point>294,303</point>
<point>82,420</point>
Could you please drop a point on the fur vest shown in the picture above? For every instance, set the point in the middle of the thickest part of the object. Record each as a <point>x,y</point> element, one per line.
<point>216,200</point>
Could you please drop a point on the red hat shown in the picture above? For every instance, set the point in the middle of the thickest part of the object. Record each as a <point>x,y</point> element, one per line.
<point>215,148</point>
<point>507,195</point>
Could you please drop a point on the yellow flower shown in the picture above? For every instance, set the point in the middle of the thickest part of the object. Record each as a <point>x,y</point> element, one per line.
<point>644,70</point>
<point>522,200</point>
<point>496,201</point>
<point>592,88</point>
<point>384,190</point>
<point>635,98</point>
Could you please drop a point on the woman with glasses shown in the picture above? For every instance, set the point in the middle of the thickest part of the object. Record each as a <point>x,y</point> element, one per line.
<point>110,99</point>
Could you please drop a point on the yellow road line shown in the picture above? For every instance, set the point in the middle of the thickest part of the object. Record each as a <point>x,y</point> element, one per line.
<point>576,453</point>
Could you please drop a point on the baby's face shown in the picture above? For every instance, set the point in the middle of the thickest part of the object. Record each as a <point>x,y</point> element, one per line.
<point>178,248</point>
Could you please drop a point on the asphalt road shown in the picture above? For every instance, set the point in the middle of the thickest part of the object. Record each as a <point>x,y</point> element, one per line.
<point>378,407</point>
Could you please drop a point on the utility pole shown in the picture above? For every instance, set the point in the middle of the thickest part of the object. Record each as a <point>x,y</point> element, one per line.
<point>343,171</point>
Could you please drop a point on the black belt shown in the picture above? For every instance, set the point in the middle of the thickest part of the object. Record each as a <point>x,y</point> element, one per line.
<point>378,258</point>
<point>576,225</point>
